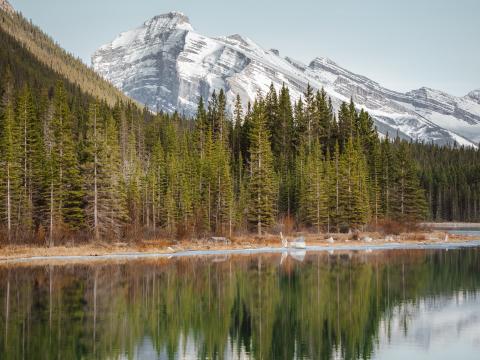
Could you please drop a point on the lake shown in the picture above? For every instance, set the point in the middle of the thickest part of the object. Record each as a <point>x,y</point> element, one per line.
<point>474,232</point>
<point>396,304</point>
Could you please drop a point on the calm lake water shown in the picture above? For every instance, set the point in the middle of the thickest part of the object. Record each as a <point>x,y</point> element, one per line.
<point>465,231</point>
<point>416,304</point>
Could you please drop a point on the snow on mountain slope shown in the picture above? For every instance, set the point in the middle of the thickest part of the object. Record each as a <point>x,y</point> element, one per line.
<point>168,66</point>
<point>474,95</point>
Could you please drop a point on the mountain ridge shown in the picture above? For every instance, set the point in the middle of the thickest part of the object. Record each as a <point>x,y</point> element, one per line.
<point>168,66</point>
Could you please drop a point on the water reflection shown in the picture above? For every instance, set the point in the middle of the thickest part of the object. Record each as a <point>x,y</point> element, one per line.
<point>388,304</point>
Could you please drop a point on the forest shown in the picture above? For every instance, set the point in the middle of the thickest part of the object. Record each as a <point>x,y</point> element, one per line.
<point>78,163</point>
<point>74,167</point>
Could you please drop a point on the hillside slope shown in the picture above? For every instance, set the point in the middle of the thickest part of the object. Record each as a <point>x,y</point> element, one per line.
<point>46,51</point>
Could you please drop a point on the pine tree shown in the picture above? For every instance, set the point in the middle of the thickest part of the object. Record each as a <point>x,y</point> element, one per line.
<point>201,127</point>
<point>70,197</point>
<point>374,178</point>
<point>116,196</point>
<point>409,198</point>
<point>353,193</point>
<point>324,127</point>
<point>105,194</point>
<point>386,178</point>
<point>285,151</point>
<point>223,188</point>
<point>157,174</point>
<point>309,116</point>
<point>9,150</point>
<point>334,181</point>
<point>236,144</point>
<point>217,115</point>
<point>262,183</point>
<point>313,189</point>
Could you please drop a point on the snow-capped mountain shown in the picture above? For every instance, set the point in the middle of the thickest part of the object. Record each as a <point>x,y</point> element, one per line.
<point>168,66</point>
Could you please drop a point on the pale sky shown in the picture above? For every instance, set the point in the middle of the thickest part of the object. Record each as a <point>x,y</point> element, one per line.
<point>402,44</point>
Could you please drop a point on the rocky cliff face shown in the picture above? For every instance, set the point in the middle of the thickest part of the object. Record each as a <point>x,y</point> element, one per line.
<point>168,66</point>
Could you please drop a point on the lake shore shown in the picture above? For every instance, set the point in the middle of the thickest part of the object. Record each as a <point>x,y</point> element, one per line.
<point>85,253</point>
<point>451,225</point>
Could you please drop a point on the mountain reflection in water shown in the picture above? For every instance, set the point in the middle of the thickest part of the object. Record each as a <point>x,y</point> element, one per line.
<point>385,304</point>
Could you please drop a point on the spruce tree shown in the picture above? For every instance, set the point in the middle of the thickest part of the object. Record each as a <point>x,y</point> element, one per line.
<point>313,189</point>
<point>262,185</point>
<point>10,165</point>
<point>353,193</point>
<point>285,152</point>
<point>409,202</point>
<point>70,196</point>
<point>103,184</point>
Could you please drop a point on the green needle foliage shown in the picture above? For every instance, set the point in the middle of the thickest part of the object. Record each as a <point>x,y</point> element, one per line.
<point>78,162</point>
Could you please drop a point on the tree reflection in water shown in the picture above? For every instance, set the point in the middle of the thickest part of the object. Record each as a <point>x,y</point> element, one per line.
<point>247,306</point>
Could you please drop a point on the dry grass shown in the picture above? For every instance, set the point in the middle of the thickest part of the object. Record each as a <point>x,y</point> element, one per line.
<point>159,246</point>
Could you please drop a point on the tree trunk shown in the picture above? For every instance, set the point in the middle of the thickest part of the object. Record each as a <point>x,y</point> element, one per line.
<point>95,189</point>
<point>9,206</point>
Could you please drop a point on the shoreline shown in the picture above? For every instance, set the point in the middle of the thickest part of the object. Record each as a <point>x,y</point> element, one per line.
<point>451,225</point>
<point>97,254</point>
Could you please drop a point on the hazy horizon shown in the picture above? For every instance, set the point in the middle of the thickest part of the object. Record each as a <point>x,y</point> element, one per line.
<point>403,46</point>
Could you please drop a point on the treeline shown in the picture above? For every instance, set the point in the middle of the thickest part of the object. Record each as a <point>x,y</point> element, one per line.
<point>75,168</point>
<point>451,179</point>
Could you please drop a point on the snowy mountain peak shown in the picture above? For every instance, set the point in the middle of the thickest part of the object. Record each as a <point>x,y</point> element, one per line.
<point>168,66</point>
<point>426,91</point>
<point>431,94</point>
<point>324,61</point>
<point>474,95</point>
<point>275,51</point>
<point>241,39</point>
<point>170,21</point>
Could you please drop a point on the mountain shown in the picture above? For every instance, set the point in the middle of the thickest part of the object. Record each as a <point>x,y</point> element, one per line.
<point>475,95</point>
<point>26,42</point>
<point>168,66</point>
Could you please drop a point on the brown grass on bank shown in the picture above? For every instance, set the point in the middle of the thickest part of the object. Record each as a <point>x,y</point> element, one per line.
<point>393,227</point>
<point>9,252</point>
<point>141,240</point>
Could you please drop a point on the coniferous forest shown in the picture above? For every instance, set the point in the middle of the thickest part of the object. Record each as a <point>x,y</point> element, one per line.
<point>77,166</point>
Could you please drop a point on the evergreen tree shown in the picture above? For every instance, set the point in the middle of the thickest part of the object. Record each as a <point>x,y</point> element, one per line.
<point>262,183</point>
<point>386,178</point>
<point>409,202</point>
<point>313,189</point>
<point>284,152</point>
<point>9,150</point>
<point>70,195</point>
<point>236,144</point>
<point>105,195</point>
<point>353,192</point>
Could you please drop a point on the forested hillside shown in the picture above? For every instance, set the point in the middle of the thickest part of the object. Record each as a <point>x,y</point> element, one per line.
<point>29,38</point>
<point>83,165</point>
<point>451,179</point>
